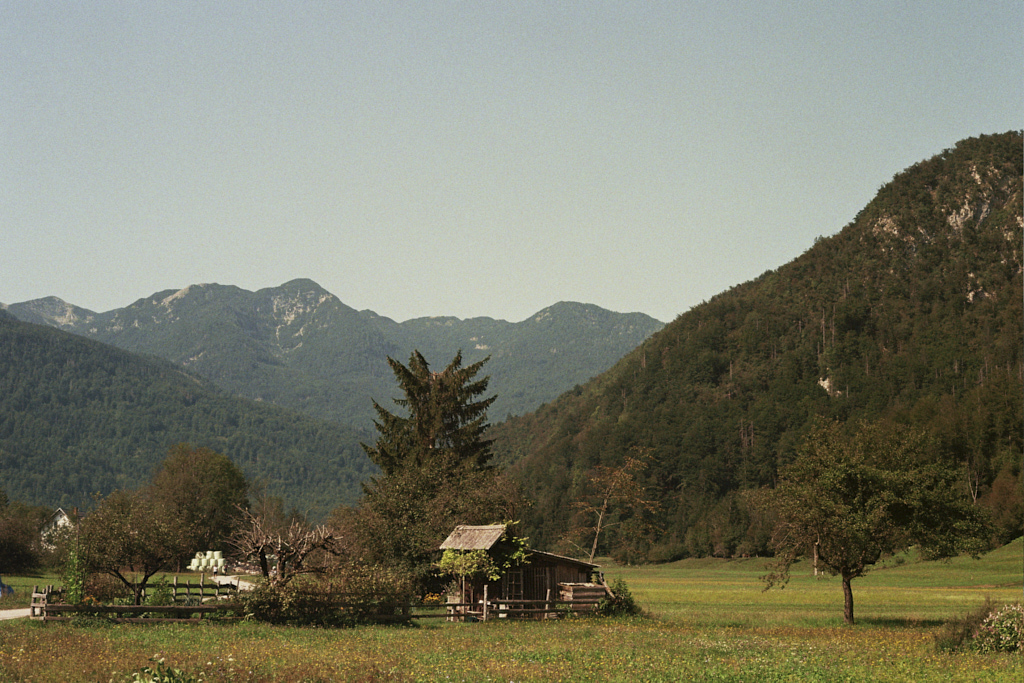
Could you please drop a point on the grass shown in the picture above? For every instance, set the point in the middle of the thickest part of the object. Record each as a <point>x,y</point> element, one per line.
<point>907,591</point>
<point>22,586</point>
<point>712,623</point>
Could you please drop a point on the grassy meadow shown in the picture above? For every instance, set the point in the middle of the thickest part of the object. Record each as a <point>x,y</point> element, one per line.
<point>711,622</point>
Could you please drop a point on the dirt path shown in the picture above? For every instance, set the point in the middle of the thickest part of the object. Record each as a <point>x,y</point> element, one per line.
<point>13,613</point>
<point>242,585</point>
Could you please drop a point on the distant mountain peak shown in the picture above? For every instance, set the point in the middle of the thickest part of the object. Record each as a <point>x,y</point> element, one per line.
<point>180,294</point>
<point>52,310</point>
<point>301,289</point>
<point>303,284</point>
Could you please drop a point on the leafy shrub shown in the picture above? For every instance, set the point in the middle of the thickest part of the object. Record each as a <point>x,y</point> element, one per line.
<point>159,593</point>
<point>73,574</point>
<point>106,588</point>
<point>622,604</point>
<point>1002,630</point>
<point>433,599</point>
<point>350,595</point>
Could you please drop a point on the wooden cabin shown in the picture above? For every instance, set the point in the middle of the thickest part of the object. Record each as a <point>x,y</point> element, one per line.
<point>544,576</point>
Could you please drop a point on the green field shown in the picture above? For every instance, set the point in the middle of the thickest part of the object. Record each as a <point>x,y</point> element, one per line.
<point>711,622</point>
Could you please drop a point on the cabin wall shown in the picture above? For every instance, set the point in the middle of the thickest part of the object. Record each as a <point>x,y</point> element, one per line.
<point>537,579</point>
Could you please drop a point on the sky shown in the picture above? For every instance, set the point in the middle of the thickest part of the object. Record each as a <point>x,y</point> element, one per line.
<point>470,158</point>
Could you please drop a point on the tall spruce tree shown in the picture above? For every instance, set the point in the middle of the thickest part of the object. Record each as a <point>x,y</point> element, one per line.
<point>435,472</point>
<point>445,423</point>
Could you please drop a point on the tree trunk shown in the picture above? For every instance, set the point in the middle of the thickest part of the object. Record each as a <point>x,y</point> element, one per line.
<point>597,530</point>
<point>847,600</point>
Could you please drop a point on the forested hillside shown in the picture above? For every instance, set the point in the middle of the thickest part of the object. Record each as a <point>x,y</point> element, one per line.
<point>300,347</point>
<point>912,313</point>
<point>78,417</point>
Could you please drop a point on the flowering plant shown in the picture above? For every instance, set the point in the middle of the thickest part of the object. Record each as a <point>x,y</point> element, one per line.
<point>1002,630</point>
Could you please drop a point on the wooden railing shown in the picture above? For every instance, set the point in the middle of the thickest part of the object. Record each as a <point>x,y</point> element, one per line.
<point>507,609</point>
<point>48,604</point>
<point>139,614</point>
<point>501,608</point>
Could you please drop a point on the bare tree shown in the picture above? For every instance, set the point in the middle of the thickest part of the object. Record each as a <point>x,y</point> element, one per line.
<point>612,492</point>
<point>285,550</point>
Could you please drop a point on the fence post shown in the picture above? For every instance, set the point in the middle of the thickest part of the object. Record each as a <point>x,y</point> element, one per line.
<point>485,603</point>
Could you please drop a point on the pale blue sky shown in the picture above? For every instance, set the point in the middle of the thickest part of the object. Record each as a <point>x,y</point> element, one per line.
<point>469,158</point>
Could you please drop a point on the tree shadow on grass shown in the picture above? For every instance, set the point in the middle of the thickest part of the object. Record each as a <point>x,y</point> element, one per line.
<point>900,622</point>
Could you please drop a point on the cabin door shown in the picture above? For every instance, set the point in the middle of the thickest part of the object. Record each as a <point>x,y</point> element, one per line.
<point>513,588</point>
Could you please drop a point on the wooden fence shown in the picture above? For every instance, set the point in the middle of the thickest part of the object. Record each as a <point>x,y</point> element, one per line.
<point>202,598</point>
<point>508,609</point>
<point>138,614</point>
<point>205,599</point>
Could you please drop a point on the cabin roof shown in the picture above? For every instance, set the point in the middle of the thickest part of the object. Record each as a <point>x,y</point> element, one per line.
<point>562,559</point>
<point>466,537</point>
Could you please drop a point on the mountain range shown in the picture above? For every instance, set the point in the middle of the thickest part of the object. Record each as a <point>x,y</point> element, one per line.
<point>300,347</point>
<point>911,314</point>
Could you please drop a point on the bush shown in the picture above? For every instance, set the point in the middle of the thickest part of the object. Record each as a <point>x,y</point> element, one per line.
<point>106,588</point>
<point>159,593</point>
<point>989,628</point>
<point>1002,630</point>
<point>621,603</point>
<point>350,595</point>
<point>74,575</point>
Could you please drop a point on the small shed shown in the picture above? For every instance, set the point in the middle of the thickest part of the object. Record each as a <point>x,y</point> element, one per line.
<point>544,576</point>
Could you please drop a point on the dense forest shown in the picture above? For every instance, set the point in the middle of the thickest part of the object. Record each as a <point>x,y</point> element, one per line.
<point>79,418</point>
<point>911,314</point>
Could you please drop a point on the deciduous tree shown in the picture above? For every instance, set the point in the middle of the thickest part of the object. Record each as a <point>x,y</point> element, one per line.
<point>294,546</point>
<point>19,535</point>
<point>204,490</point>
<point>612,496</point>
<point>850,501</point>
<point>131,537</point>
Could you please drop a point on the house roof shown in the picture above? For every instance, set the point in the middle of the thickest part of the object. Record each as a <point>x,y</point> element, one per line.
<point>59,517</point>
<point>466,537</point>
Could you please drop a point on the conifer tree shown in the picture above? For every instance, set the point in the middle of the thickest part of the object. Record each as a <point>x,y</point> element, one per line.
<point>445,423</point>
<point>434,463</point>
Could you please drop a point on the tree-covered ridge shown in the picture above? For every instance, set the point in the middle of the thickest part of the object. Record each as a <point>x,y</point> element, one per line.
<point>78,417</point>
<point>912,313</point>
<point>299,346</point>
